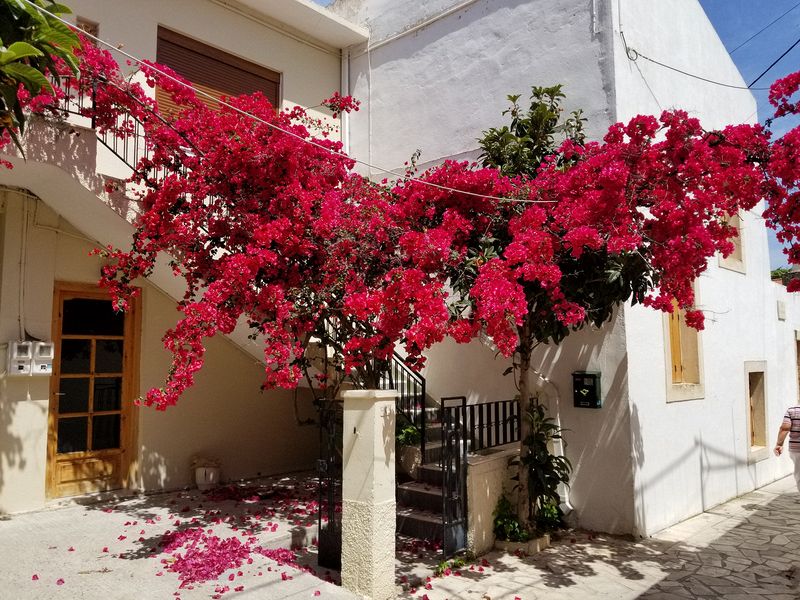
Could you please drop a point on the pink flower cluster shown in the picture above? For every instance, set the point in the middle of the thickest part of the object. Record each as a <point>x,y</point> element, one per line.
<point>271,231</point>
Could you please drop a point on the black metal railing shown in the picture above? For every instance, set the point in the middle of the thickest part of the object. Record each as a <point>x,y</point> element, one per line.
<point>126,139</point>
<point>492,424</point>
<point>410,387</point>
<point>487,424</point>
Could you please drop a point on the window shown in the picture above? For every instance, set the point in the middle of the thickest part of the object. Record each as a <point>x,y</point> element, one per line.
<point>683,348</point>
<point>88,26</point>
<point>735,261</point>
<point>212,71</point>
<point>683,354</point>
<point>755,394</point>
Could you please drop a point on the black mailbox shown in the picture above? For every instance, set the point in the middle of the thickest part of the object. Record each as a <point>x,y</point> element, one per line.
<point>586,389</point>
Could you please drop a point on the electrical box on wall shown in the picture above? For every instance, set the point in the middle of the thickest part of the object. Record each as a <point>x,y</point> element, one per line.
<point>586,389</point>
<point>43,355</point>
<point>30,358</point>
<point>20,358</point>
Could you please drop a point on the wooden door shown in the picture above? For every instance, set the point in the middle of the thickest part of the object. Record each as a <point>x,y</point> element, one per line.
<point>91,421</point>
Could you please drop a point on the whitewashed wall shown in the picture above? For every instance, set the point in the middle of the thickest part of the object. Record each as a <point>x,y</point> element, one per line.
<point>436,83</point>
<point>694,454</point>
<point>436,87</point>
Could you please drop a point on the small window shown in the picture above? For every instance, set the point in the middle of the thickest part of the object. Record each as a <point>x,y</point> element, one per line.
<point>755,394</point>
<point>684,348</point>
<point>755,372</point>
<point>88,26</point>
<point>735,261</point>
<point>212,71</point>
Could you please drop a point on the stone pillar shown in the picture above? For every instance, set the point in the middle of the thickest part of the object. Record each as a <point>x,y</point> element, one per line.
<point>368,493</point>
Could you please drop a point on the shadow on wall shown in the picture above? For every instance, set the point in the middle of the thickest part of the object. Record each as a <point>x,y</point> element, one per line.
<point>15,398</point>
<point>74,150</point>
<point>598,440</point>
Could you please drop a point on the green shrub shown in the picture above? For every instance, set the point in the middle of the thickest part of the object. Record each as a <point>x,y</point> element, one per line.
<point>409,436</point>
<point>506,523</point>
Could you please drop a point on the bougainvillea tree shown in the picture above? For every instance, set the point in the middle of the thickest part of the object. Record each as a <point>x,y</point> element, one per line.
<point>268,224</point>
<point>634,217</point>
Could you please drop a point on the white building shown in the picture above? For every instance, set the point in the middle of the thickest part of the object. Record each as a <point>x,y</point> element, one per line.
<point>431,76</point>
<point>662,447</point>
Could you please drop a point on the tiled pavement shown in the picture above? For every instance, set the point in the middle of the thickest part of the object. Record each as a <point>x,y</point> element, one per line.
<point>745,549</point>
<point>748,548</point>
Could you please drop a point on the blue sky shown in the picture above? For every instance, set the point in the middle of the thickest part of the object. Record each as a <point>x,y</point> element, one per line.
<point>735,21</point>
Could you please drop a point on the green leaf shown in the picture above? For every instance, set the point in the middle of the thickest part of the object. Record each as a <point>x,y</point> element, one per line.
<point>16,141</point>
<point>58,9</point>
<point>17,51</point>
<point>31,78</point>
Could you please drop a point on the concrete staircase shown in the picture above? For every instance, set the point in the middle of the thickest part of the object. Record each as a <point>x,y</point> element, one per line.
<point>419,503</point>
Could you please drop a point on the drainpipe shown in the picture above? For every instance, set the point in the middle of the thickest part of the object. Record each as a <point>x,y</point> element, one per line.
<point>345,90</point>
<point>558,445</point>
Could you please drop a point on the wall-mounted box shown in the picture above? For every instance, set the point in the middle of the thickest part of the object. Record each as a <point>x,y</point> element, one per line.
<point>43,355</point>
<point>586,389</point>
<point>20,358</point>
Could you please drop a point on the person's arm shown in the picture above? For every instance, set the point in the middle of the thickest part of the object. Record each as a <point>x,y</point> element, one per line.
<point>782,433</point>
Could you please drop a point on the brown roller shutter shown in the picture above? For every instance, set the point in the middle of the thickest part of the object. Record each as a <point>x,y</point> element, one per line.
<point>211,70</point>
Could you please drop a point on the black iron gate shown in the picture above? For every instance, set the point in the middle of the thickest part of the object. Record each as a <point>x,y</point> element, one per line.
<point>454,475</point>
<point>329,471</point>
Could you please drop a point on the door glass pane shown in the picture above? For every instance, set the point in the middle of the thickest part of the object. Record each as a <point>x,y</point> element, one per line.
<point>72,434</point>
<point>83,316</point>
<point>107,393</point>
<point>105,432</point>
<point>108,356</point>
<point>73,395</point>
<point>75,355</point>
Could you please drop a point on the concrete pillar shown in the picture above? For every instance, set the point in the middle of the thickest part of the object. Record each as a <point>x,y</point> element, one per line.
<point>368,493</point>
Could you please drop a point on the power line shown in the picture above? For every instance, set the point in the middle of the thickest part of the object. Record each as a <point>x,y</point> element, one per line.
<point>763,29</point>
<point>775,62</point>
<point>634,55</point>
<point>199,92</point>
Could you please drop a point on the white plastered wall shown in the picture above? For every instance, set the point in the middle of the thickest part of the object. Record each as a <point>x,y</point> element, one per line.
<point>694,454</point>
<point>435,83</point>
<point>225,416</point>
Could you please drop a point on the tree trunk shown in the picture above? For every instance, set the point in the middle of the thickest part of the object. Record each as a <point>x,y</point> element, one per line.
<point>523,500</point>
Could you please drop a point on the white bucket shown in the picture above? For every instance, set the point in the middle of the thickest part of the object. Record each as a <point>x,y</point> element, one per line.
<point>206,477</point>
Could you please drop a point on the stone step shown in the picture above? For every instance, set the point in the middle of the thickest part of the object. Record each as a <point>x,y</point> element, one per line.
<point>431,473</point>
<point>433,432</point>
<point>422,496</point>
<point>433,452</point>
<point>419,524</point>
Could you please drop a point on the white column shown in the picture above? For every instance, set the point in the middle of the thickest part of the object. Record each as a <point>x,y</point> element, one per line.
<point>368,493</point>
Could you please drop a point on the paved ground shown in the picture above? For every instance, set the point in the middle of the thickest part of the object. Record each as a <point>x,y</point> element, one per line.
<point>745,549</point>
<point>748,548</point>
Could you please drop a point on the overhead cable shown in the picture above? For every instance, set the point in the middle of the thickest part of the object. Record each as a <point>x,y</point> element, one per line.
<point>775,62</point>
<point>763,29</point>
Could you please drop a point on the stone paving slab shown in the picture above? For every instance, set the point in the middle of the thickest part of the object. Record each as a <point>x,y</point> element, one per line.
<point>748,548</point>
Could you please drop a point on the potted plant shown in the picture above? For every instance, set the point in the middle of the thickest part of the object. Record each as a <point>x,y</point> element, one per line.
<point>409,454</point>
<point>206,472</point>
<point>545,472</point>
